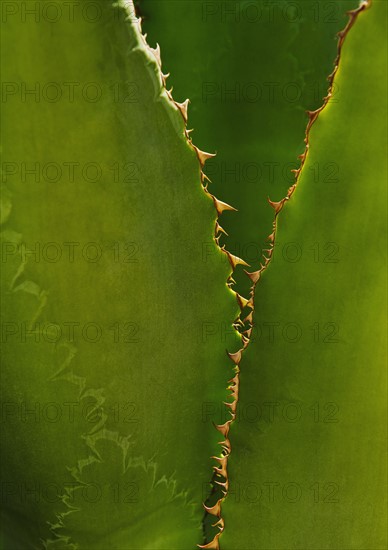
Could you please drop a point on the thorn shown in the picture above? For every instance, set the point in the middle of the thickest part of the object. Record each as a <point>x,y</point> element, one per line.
<point>144,38</point>
<point>223,484</point>
<point>202,156</point>
<point>183,107</point>
<point>235,380</point>
<point>205,178</point>
<point>220,229</point>
<point>249,318</point>
<point>236,357</point>
<point>213,545</point>
<point>232,406</point>
<point>245,340</point>
<point>312,114</point>
<point>242,302</point>
<point>220,524</point>
<point>222,206</point>
<point>271,237</point>
<point>291,191</point>
<point>303,156</point>
<point>234,393</point>
<point>223,465</point>
<point>156,53</point>
<point>277,206</point>
<point>214,510</point>
<point>234,383</point>
<point>233,418</point>
<point>226,446</point>
<point>224,428</point>
<point>235,260</point>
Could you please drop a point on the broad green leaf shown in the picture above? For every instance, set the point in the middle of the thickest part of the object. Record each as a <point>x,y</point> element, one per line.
<point>308,460</point>
<point>115,309</point>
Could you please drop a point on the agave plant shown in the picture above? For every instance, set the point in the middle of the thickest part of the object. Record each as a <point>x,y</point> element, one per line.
<point>192,342</point>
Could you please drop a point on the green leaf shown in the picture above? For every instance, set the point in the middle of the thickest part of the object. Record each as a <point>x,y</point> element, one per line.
<point>250,70</point>
<point>308,449</point>
<point>115,309</point>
